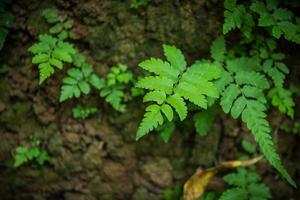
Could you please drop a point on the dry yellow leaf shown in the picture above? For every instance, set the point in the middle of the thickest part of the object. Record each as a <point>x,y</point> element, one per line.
<point>196,184</point>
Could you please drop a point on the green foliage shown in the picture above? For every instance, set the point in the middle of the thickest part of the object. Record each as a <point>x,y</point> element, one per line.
<point>50,54</point>
<point>80,112</point>
<point>138,3</point>
<point>277,20</point>
<point>79,80</point>
<point>61,24</point>
<point>273,66</point>
<point>165,131</point>
<point>280,20</point>
<point>6,22</point>
<point>209,196</point>
<point>283,99</point>
<point>291,127</point>
<point>172,85</point>
<point>114,87</point>
<point>237,16</point>
<point>248,147</point>
<point>242,88</point>
<point>204,119</point>
<point>4,69</point>
<point>174,193</point>
<point>34,153</point>
<point>245,185</point>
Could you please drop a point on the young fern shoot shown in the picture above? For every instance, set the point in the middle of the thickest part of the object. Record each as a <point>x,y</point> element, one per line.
<point>172,84</point>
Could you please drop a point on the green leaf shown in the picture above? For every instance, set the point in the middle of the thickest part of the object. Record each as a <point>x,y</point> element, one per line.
<point>168,111</point>
<point>151,120</point>
<point>20,160</point>
<point>203,120</point>
<point>248,147</point>
<point>166,130</point>
<point>156,83</point>
<point>259,191</point>
<point>68,92</point>
<point>175,57</point>
<point>238,107</point>
<point>228,97</point>
<point>179,105</point>
<point>46,70</point>
<point>157,96</point>
<point>40,58</point>
<point>218,49</point>
<point>159,67</point>
<point>84,87</point>
<point>56,63</point>
<point>97,82</point>
<point>234,194</point>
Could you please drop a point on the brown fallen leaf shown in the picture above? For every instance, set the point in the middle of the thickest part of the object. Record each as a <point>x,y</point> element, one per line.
<point>196,184</point>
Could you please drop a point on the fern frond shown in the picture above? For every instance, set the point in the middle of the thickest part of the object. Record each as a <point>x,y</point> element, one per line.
<point>174,84</point>
<point>254,116</point>
<point>243,95</point>
<point>151,120</point>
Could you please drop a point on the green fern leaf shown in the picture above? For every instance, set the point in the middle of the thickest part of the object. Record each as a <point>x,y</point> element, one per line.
<point>177,102</point>
<point>234,194</point>
<point>68,92</point>
<point>254,116</point>
<point>228,97</point>
<point>203,120</point>
<point>168,111</point>
<point>160,67</point>
<point>156,83</point>
<point>259,191</point>
<point>151,120</point>
<point>115,98</point>
<point>166,130</point>
<point>218,49</point>
<point>156,96</point>
<point>175,57</point>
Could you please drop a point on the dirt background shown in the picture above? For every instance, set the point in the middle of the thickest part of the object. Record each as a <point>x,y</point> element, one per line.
<point>98,158</point>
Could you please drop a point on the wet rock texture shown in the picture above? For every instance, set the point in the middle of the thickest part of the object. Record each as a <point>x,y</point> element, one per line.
<point>98,158</point>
